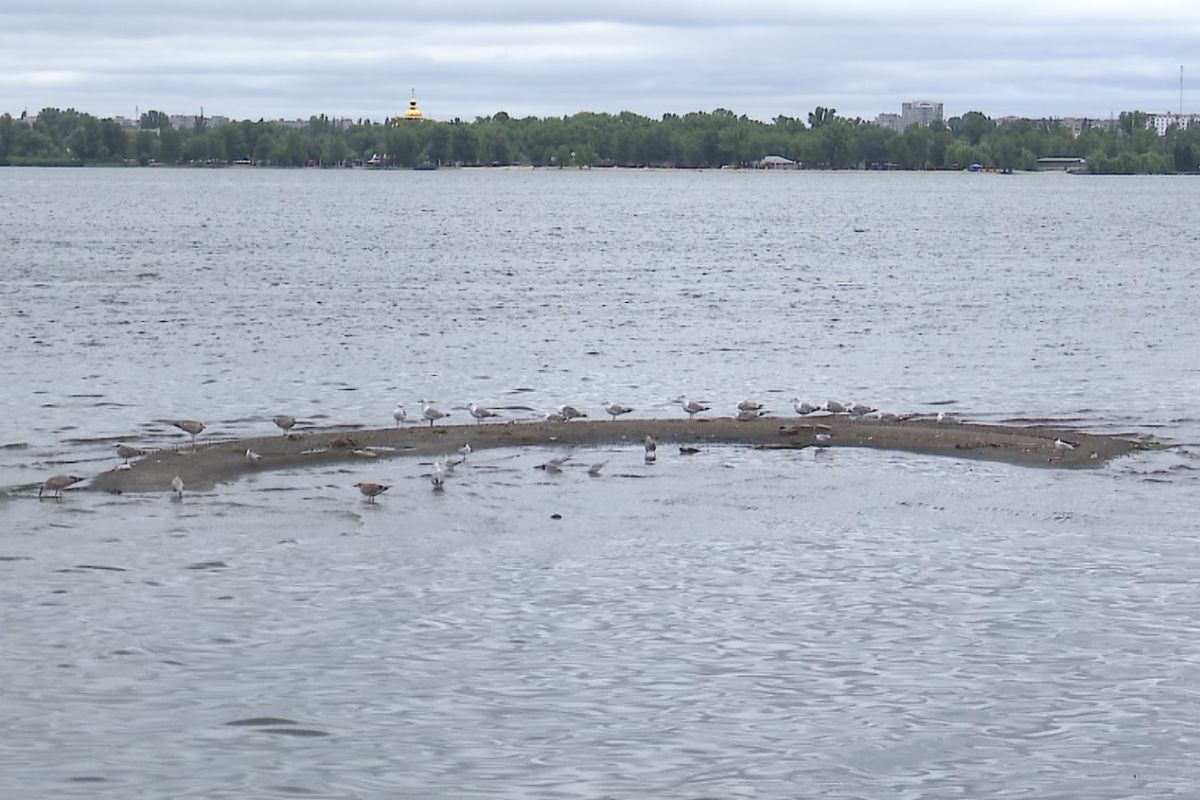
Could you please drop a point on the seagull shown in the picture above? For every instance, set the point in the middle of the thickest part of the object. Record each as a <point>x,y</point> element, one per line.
<point>399,414</point>
<point>651,449</point>
<point>823,437</point>
<point>616,409</point>
<point>1063,444</point>
<point>128,451</point>
<point>284,422</point>
<point>554,465</point>
<point>465,450</point>
<point>861,410</point>
<point>371,490</point>
<point>56,483</point>
<point>692,407</point>
<point>480,414</point>
<point>430,413</point>
<point>554,416</point>
<point>177,486</point>
<point>252,456</point>
<point>749,405</point>
<point>747,415</point>
<point>594,469</point>
<point>438,477</point>
<point>189,426</point>
<point>570,412</point>
<point>834,407</point>
<point>803,408</point>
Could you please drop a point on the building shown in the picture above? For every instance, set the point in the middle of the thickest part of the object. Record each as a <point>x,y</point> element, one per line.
<point>1164,122</point>
<point>915,112</point>
<point>919,112</point>
<point>889,121</point>
<point>413,112</point>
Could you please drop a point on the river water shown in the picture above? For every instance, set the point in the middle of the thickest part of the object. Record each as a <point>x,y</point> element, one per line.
<point>844,624</point>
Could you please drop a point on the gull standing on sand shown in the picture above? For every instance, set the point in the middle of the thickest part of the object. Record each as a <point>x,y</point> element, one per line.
<point>438,477</point>
<point>399,414</point>
<point>692,407</point>
<point>616,409</point>
<point>480,414</point>
<point>189,426</point>
<point>284,422</point>
<point>570,412</point>
<point>128,451</point>
<point>651,449</point>
<point>465,450</point>
<point>803,408</point>
<point>371,490</point>
<point>177,487</point>
<point>56,483</point>
<point>430,413</point>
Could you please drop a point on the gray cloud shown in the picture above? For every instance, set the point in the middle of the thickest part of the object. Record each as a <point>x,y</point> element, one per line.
<point>360,57</point>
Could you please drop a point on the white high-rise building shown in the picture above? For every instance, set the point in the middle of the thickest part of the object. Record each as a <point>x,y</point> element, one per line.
<point>919,112</point>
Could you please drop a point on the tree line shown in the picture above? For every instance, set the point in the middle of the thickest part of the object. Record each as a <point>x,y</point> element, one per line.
<point>700,139</point>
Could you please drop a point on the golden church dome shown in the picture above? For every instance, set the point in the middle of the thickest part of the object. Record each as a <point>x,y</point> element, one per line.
<point>413,112</point>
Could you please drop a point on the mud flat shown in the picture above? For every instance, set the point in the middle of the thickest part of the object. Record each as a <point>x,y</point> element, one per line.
<point>218,462</point>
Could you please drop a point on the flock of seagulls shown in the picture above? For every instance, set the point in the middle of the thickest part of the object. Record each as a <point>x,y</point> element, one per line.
<point>745,410</point>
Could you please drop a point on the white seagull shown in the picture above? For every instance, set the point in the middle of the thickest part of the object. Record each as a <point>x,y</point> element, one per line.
<point>480,414</point>
<point>371,490</point>
<point>749,405</point>
<point>554,465</point>
<point>465,450</point>
<point>177,486</point>
<point>651,449</point>
<point>553,416</point>
<point>570,412</point>
<point>803,408</point>
<point>1063,444</point>
<point>438,477</point>
<point>399,414</point>
<point>430,413</point>
<point>616,409</point>
<point>692,407</point>
<point>252,456</point>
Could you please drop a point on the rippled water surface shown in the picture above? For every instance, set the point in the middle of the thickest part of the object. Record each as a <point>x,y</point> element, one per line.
<point>733,623</point>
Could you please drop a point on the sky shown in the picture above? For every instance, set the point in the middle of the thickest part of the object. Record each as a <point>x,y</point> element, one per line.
<point>289,59</point>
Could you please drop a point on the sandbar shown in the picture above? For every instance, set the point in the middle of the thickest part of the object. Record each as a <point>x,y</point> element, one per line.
<point>213,463</point>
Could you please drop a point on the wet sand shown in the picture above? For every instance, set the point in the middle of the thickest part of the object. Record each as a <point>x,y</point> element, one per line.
<point>218,462</point>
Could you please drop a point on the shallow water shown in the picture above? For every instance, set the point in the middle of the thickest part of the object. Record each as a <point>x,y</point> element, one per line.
<point>730,624</point>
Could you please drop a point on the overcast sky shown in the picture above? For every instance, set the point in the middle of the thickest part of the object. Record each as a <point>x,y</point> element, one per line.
<point>467,58</point>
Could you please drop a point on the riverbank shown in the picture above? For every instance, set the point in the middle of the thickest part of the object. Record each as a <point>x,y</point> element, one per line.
<point>218,462</point>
